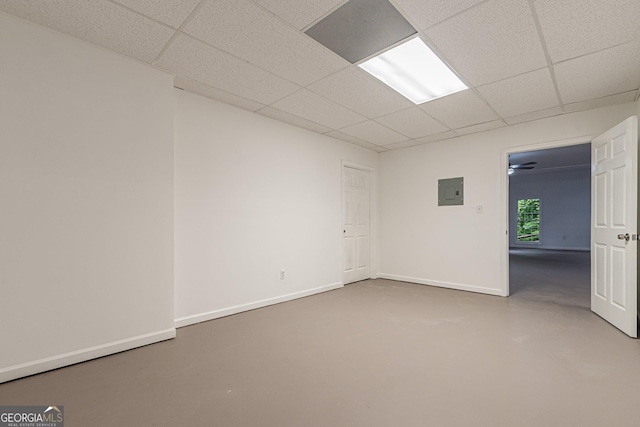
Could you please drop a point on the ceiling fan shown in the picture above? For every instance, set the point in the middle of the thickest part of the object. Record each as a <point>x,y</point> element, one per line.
<point>527,165</point>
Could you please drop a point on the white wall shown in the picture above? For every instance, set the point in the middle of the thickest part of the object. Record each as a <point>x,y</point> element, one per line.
<point>86,201</point>
<point>453,246</point>
<point>565,205</point>
<point>253,196</point>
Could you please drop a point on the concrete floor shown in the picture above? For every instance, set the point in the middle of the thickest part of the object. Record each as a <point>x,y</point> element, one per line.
<point>557,277</point>
<point>376,353</point>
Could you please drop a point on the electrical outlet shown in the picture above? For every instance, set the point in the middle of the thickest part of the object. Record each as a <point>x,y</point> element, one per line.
<point>281,274</point>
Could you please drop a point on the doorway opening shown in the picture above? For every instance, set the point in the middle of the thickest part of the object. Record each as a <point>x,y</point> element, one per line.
<point>613,234</point>
<point>549,217</point>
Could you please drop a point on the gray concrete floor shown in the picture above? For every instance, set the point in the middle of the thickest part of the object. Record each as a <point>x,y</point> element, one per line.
<point>376,353</point>
<point>557,277</point>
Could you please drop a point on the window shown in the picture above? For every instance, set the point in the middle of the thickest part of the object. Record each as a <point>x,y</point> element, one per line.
<point>529,220</point>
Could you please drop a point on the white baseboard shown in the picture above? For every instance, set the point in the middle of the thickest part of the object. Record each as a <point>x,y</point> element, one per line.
<point>439,284</point>
<point>71,358</point>
<point>215,314</point>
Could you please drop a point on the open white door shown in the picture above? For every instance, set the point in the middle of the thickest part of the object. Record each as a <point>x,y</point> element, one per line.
<point>614,240</point>
<point>356,224</point>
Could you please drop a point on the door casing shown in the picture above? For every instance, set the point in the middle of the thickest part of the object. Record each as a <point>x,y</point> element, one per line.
<point>504,197</point>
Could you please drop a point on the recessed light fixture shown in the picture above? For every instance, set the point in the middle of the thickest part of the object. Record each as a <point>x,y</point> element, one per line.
<point>413,70</point>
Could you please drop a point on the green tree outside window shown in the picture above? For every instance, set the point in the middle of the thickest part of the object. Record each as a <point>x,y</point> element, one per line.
<point>529,220</point>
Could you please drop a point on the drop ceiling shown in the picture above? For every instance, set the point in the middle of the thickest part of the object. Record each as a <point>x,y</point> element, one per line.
<point>522,59</point>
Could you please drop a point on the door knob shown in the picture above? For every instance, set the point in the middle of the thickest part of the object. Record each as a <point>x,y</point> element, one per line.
<point>624,237</point>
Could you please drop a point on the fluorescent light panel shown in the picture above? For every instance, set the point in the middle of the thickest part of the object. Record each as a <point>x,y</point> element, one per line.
<point>413,70</point>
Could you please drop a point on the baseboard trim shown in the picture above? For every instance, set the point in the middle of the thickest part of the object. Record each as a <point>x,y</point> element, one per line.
<point>223,312</point>
<point>552,248</point>
<point>78,356</point>
<point>439,284</point>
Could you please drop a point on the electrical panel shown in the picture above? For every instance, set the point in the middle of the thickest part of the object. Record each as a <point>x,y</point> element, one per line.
<point>451,192</point>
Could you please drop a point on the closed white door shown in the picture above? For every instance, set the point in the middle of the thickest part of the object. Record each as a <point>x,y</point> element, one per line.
<point>614,223</point>
<point>356,221</point>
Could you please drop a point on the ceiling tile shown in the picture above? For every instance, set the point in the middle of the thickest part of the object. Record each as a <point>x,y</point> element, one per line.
<point>425,13</point>
<point>211,92</point>
<point>403,144</point>
<point>311,106</point>
<point>460,109</point>
<point>357,90</point>
<point>352,139</point>
<point>599,74</point>
<point>521,94</point>
<point>347,138</point>
<point>368,145</point>
<point>193,59</point>
<point>573,28</point>
<point>373,132</point>
<point>620,98</point>
<point>171,12</point>
<point>251,33</point>
<point>100,22</point>
<point>437,137</point>
<point>480,128</point>
<point>300,13</point>
<point>490,42</point>
<point>536,115</point>
<point>293,120</point>
<point>412,122</point>
<point>380,149</point>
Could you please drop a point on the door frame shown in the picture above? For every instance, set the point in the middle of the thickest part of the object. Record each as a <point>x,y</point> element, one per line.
<point>373,217</point>
<point>504,195</point>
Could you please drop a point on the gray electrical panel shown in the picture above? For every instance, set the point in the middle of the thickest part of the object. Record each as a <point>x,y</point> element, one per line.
<point>450,191</point>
